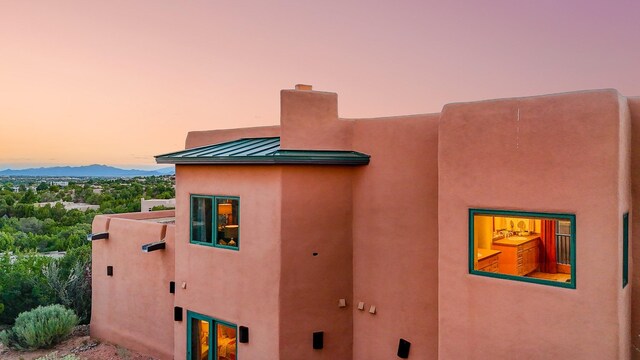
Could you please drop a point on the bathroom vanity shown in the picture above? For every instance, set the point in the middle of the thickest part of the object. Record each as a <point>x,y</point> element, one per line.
<point>518,254</point>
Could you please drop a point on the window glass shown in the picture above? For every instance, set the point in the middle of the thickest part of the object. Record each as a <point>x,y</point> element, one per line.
<point>226,341</point>
<point>533,247</point>
<point>209,338</point>
<point>201,219</point>
<point>228,224</point>
<point>199,339</point>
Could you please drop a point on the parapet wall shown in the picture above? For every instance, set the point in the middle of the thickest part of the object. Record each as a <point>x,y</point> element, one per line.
<point>133,307</point>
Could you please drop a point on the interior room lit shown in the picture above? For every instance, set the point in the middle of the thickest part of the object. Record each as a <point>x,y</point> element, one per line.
<point>523,246</point>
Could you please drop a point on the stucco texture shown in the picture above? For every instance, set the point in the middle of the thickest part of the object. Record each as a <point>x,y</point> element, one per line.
<point>133,307</point>
<point>561,154</point>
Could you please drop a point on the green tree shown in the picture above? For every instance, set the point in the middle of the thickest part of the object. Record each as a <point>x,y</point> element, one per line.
<point>29,197</point>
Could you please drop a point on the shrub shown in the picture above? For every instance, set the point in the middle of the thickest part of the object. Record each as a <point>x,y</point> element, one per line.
<point>71,281</point>
<point>24,286</point>
<point>42,327</point>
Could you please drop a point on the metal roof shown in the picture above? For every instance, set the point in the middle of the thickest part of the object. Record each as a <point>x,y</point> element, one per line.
<point>260,151</point>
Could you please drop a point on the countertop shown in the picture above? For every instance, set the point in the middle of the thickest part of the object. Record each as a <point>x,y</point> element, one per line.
<point>516,240</point>
<point>485,253</point>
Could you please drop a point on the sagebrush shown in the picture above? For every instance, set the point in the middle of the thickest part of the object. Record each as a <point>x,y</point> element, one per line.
<point>42,327</point>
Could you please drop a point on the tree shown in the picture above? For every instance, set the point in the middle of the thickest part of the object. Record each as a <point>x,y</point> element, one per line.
<point>29,197</point>
<point>42,186</point>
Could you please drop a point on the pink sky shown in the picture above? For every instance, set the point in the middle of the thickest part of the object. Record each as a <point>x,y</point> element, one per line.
<point>116,82</point>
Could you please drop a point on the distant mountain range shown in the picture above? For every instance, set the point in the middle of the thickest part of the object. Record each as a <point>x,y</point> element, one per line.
<point>86,171</point>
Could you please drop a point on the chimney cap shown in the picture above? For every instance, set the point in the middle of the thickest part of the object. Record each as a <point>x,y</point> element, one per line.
<point>304,87</point>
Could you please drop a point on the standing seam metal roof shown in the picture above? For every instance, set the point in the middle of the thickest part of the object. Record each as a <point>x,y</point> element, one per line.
<point>260,151</point>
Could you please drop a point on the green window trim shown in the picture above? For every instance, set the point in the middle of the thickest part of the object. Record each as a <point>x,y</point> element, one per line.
<point>213,338</point>
<point>214,221</point>
<point>541,215</point>
<point>625,249</point>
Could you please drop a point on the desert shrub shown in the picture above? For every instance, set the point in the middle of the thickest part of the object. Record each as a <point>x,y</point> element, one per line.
<point>24,286</point>
<point>71,281</point>
<point>42,327</point>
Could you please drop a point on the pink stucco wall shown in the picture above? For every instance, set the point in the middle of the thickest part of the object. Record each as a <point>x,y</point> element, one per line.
<point>309,120</point>
<point>240,287</point>
<point>395,237</point>
<point>316,218</point>
<point>634,223</point>
<point>561,155</point>
<point>201,138</point>
<point>133,307</point>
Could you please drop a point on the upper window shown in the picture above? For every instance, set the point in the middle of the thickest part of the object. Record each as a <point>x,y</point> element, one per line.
<point>526,246</point>
<point>215,221</point>
<point>209,338</point>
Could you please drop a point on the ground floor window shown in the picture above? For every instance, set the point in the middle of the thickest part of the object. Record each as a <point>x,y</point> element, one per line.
<point>526,246</point>
<point>209,338</point>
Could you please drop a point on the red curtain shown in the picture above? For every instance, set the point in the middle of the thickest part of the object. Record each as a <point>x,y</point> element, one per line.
<point>548,247</point>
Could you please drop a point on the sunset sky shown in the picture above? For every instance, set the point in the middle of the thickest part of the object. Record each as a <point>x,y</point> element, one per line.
<point>116,82</point>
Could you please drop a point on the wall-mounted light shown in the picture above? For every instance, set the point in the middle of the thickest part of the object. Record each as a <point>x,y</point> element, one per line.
<point>244,335</point>
<point>403,349</point>
<point>177,313</point>
<point>318,340</point>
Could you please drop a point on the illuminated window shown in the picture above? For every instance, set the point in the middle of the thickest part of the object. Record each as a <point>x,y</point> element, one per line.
<point>525,246</point>
<point>215,221</point>
<point>209,338</point>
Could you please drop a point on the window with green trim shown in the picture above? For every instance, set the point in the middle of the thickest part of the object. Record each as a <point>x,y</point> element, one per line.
<point>625,249</point>
<point>519,245</point>
<point>210,339</point>
<point>215,221</point>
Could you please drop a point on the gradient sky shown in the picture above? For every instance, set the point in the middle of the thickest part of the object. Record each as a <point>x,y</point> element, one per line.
<point>116,82</point>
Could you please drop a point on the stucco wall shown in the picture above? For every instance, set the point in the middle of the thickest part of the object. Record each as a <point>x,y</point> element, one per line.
<point>561,155</point>
<point>395,237</point>
<point>133,307</point>
<point>208,137</point>
<point>240,287</point>
<point>309,121</point>
<point>316,218</point>
<point>634,223</point>
<point>624,195</point>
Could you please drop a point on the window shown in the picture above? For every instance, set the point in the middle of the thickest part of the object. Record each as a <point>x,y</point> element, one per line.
<point>526,246</point>
<point>209,338</point>
<point>215,221</point>
<point>625,249</point>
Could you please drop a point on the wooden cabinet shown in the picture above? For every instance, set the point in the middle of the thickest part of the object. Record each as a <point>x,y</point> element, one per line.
<point>489,263</point>
<point>518,257</point>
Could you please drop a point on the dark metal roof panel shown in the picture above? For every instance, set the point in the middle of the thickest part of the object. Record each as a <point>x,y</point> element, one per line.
<point>260,151</point>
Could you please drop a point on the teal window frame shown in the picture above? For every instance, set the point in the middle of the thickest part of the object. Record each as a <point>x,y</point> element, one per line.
<point>517,213</point>
<point>213,336</point>
<point>625,249</point>
<point>214,221</point>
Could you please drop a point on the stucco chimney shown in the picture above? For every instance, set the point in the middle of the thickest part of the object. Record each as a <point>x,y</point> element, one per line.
<point>309,120</point>
<point>304,87</point>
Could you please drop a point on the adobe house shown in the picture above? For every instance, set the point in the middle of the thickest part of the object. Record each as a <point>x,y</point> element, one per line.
<point>494,229</point>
